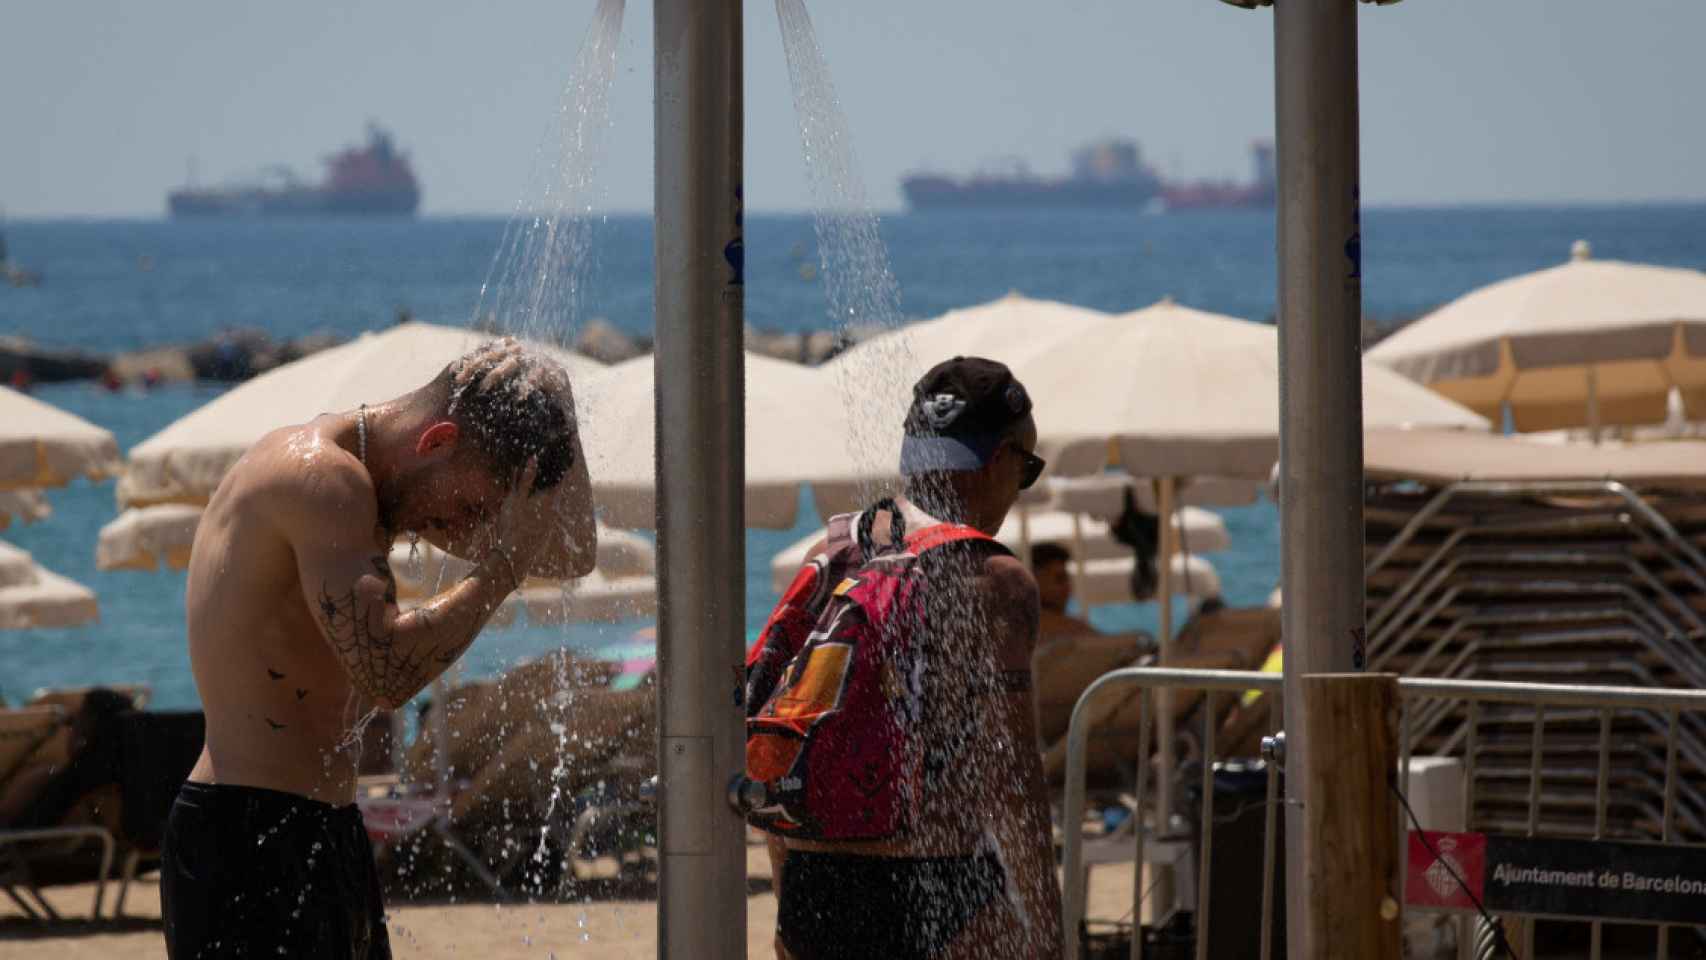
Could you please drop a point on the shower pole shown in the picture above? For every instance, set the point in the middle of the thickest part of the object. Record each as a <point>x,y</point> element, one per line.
<point>1320,366</point>
<point>698,118</point>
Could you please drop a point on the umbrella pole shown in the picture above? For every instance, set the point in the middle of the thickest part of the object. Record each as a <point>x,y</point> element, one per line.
<point>698,119</point>
<point>1165,759</point>
<point>1593,404</point>
<point>1078,552</point>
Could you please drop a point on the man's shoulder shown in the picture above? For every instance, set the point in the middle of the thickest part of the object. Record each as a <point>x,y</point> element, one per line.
<point>300,467</point>
<point>1003,571</point>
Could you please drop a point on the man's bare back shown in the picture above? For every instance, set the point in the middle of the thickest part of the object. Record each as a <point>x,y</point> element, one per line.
<point>295,635</point>
<point>294,630</point>
<point>281,711</point>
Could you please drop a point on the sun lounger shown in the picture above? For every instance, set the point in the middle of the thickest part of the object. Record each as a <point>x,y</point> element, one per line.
<point>1062,669</point>
<point>1553,579</point>
<point>139,694</point>
<point>1236,639</point>
<point>505,765</point>
<point>103,775</point>
<point>24,734</point>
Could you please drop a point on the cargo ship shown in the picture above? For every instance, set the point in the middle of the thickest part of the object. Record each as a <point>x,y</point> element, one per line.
<point>1257,194</point>
<point>1110,173</point>
<point>373,179</point>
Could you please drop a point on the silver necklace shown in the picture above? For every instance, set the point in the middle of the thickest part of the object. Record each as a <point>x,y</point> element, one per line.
<point>361,432</point>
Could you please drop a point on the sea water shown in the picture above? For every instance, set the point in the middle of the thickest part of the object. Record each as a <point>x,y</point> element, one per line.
<point>348,275</point>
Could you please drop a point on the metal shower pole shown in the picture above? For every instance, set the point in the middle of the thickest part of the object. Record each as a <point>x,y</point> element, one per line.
<point>699,257</point>
<point>1320,364</point>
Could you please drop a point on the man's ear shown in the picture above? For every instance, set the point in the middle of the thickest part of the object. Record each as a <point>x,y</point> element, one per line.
<point>440,438</point>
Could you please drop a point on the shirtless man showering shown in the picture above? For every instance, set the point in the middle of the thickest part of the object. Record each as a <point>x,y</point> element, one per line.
<point>294,633</point>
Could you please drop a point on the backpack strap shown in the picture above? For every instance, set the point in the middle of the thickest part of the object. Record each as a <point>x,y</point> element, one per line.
<point>838,533</point>
<point>943,534</point>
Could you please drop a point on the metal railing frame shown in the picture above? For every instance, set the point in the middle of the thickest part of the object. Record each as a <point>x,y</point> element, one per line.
<point>1601,701</point>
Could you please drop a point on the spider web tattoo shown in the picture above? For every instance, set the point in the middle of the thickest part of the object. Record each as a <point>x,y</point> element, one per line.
<point>371,656</point>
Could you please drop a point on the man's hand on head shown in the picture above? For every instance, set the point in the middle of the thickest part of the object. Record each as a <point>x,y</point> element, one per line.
<point>524,525</point>
<point>505,364</point>
<point>504,352</point>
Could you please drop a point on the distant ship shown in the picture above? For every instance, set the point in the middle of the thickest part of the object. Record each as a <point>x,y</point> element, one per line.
<point>1106,174</point>
<point>1259,193</point>
<point>371,179</point>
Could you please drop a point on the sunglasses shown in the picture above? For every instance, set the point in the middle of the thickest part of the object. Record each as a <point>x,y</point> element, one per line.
<point>1033,468</point>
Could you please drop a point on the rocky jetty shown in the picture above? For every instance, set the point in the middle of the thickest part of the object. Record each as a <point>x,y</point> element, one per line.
<point>227,357</point>
<point>236,355</point>
<point>22,362</point>
<point>603,341</point>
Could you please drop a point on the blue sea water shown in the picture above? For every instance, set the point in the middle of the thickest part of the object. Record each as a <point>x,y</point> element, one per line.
<point>121,285</point>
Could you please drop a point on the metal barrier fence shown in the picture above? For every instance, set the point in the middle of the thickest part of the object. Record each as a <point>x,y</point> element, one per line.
<point>1425,706</point>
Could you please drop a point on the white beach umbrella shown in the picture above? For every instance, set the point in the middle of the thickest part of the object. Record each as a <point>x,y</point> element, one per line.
<point>592,598</point>
<point>1088,537</point>
<point>1174,392</point>
<point>1092,546</point>
<point>1181,392</point>
<point>17,567</point>
<point>185,462</point>
<point>1583,344</point>
<point>796,433</point>
<point>422,569</point>
<point>876,377</point>
<point>26,505</point>
<point>1108,581</point>
<point>32,597</point>
<point>1011,330</point>
<point>1103,494</point>
<point>147,538</point>
<point>43,446</point>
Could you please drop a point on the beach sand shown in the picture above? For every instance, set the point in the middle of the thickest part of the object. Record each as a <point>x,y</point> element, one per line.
<point>601,930</point>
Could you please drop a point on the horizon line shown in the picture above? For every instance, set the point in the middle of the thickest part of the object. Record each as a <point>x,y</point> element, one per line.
<point>630,213</point>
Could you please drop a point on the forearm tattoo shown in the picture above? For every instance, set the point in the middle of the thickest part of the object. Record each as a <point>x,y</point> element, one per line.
<point>382,567</point>
<point>371,655</point>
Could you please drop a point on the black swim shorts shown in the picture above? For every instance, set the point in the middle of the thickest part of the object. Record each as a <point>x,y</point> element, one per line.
<point>247,872</point>
<point>844,907</point>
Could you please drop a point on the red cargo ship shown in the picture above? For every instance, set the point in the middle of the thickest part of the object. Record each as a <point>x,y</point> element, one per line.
<point>371,179</point>
<point>1259,193</point>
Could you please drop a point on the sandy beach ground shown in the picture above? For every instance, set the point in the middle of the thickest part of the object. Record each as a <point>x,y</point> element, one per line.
<point>601,930</point>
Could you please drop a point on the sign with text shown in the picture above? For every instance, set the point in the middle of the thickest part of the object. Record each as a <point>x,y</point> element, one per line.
<point>1598,879</point>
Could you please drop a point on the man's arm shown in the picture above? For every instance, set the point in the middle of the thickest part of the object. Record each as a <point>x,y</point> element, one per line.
<point>573,549</point>
<point>347,582</point>
<point>1011,595</point>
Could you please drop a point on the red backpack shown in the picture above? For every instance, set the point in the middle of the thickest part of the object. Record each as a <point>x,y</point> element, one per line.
<point>832,691</point>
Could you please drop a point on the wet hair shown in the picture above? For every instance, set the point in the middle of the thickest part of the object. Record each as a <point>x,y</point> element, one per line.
<point>507,426</point>
<point>1044,554</point>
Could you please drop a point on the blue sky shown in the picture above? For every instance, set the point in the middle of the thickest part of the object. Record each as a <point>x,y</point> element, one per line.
<point>1496,101</point>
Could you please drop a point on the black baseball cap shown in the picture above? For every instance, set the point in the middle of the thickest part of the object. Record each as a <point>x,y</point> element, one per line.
<point>960,412</point>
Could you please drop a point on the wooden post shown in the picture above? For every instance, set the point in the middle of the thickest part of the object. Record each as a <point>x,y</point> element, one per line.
<point>1351,873</point>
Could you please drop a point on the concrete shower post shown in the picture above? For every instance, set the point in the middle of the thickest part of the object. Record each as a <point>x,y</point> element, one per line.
<point>699,257</point>
<point>1320,318</point>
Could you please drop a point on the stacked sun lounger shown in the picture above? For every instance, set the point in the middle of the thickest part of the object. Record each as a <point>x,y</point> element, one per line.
<point>1539,568</point>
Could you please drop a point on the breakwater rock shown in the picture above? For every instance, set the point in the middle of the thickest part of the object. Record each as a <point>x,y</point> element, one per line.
<point>603,341</point>
<point>236,355</point>
<point>227,357</point>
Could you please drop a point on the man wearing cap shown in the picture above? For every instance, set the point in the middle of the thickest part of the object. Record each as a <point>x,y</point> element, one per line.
<point>973,875</point>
